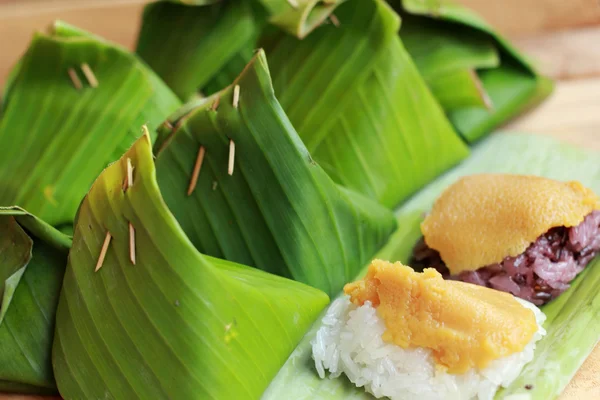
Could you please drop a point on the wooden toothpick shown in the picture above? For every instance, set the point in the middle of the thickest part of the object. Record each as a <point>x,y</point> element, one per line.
<point>236,96</point>
<point>129,173</point>
<point>75,79</point>
<point>334,20</point>
<point>103,251</point>
<point>215,104</point>
<point>231,156</point>
<point>131,243</point>
<point>196,171</point>
<point>89,75</point>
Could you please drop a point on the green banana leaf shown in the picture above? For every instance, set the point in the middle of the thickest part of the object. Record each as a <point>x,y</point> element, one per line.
<point>351,91</point>
<point>360,105</point>
<point>573,320</point>
<point>189,45</point>
<point>33,257</point>
<point>448,58</point>
<point>55,138</point>
<point>440,33</point>
<point>278,211</point>
<point>177,324</point>
<point>300,17</point>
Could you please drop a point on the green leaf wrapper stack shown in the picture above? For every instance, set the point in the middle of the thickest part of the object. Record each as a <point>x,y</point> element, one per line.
<point>199,265</point>
<point>480,79</point>
<point>177,324</point>
<point>57,133</point>
<point>277,210</point>
<point>350,91</point>
<point>33,256</point>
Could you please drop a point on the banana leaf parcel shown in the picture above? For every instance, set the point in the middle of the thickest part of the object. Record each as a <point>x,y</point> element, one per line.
<point>478,76</point>
<point>33,257</point>
<point>74,104</point>
<point>143,314</point>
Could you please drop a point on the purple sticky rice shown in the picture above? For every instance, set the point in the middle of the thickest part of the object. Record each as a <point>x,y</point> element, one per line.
<point>539,274</point>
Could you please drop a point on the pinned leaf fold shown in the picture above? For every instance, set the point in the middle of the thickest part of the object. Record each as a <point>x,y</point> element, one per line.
<point>361,106</point>
<point>58,131</point>
<point>278,210</point>
<point>32,262</point>
<point>449,41</point>
<point>189,45</point>
<point>177,324</point>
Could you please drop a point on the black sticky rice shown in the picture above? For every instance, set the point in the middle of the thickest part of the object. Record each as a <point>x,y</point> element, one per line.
<point>539,274</point>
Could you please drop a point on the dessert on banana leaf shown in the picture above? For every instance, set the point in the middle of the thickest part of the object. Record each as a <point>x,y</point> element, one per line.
<point>526,235</point>
<point>408,335</point>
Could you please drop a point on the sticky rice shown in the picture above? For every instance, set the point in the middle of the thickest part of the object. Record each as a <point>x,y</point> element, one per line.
<point>350,342</point>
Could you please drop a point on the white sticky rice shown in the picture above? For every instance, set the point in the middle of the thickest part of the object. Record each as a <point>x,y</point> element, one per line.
<point>349,341</point>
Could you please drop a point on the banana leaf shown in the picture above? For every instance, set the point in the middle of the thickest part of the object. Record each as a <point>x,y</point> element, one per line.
<point>33,257</point>
<point>440,33</point>
<point>278,210</point>
<point>189,45</point>
<point>56,138</point>
<point>360,105</point>
<point>573,320</point>
<point>177,324</point>
<point>448,58</point>
<point>300,17</point>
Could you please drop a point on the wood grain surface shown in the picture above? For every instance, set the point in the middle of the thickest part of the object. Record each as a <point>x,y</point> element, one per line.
<point>563,36</point>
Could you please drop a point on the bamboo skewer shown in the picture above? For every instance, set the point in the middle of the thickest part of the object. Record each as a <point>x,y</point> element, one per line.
<point>215,104</point>
<point>103,251</point>
<point>129,173</point>
<point>89,75</point>
<point>334,20</point>
<point>196,171</point>
<point>75,79</point>
<point>236,96</point>
<point>131,243</point>
<point>231,156</point>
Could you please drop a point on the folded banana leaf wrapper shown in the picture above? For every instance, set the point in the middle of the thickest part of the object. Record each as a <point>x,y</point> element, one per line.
<point>33,256</point>
<point>73,104</point>
<point>573,319</point>
<point>275,171</point>
<point>479,77</point>
<point>349,88</point>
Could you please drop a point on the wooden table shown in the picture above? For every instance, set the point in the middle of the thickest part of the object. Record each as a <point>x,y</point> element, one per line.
<point>563,36</point>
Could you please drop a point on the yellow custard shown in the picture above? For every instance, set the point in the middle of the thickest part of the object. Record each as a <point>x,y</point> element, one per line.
<point>481,219</point>
<point>464,325</point>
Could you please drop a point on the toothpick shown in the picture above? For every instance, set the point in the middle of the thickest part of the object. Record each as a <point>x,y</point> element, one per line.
<point>487,101</point>
<point>196,172</point>
<point>293,3</point>
<point>75,79</point>
<point>129,173</point>
<point>236,96</point>
<point>103,251</point>
<point>131,243</point>
<point>334,20</point>
<point>89,75</point>
<point>215,104</point>
<point>231,156</point>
